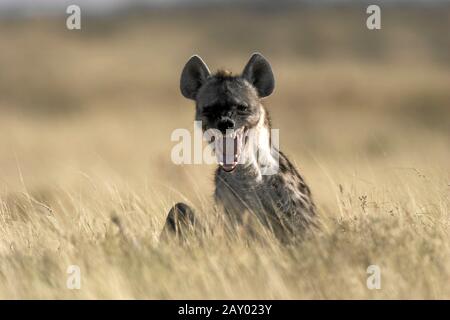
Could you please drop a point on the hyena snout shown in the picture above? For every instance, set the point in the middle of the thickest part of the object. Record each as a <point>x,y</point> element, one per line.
<point>225,124</point>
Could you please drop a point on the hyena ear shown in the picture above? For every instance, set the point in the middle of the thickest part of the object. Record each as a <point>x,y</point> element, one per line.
<point>194,75</point>
<point>259,73</point>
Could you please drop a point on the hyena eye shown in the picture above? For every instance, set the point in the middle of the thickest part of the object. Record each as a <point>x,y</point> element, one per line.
<point>242,108</point>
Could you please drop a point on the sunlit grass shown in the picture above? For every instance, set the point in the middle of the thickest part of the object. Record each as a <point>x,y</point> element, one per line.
<point>86,177</point>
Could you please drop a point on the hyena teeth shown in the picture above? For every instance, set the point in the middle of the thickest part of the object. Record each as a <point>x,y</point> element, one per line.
<point>230,135</point>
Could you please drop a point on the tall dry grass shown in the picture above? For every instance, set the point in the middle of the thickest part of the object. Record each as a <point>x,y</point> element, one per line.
<point>86,177</point>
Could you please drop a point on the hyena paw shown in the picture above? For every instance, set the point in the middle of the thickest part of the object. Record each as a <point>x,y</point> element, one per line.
<point>179,222</point>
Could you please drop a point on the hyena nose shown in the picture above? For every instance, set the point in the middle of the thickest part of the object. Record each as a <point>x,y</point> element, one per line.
<point>225,124</point>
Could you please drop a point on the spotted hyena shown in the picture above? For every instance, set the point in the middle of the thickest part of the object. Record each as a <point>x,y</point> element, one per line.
<point>253,178</point>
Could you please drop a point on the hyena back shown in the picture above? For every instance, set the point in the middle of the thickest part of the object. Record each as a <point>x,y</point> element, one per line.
<point>256,179</point>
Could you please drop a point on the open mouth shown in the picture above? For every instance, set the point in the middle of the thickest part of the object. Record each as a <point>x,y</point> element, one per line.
<point>228,149</point>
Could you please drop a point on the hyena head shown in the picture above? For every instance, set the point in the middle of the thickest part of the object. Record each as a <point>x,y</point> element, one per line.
<point>229,106</point>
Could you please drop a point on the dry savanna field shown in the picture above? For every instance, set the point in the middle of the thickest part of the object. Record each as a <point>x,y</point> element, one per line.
<point>86,177</point>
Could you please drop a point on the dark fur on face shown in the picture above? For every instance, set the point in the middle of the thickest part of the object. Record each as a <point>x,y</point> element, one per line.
<point>227,102</point>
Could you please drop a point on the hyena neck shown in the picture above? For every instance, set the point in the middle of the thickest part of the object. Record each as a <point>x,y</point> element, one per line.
<point>259,157</point>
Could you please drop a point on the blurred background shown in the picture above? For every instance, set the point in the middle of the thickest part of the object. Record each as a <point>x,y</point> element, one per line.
<point>86,176</point>
<point>101,102</point>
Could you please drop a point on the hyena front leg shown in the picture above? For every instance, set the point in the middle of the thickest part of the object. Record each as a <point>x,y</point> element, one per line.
<point>180,222</point>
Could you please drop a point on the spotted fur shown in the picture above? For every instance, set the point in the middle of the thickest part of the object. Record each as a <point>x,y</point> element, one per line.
<point>281,200</point>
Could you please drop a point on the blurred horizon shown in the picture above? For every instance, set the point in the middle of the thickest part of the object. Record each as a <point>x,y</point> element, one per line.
<point>25,8</point>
